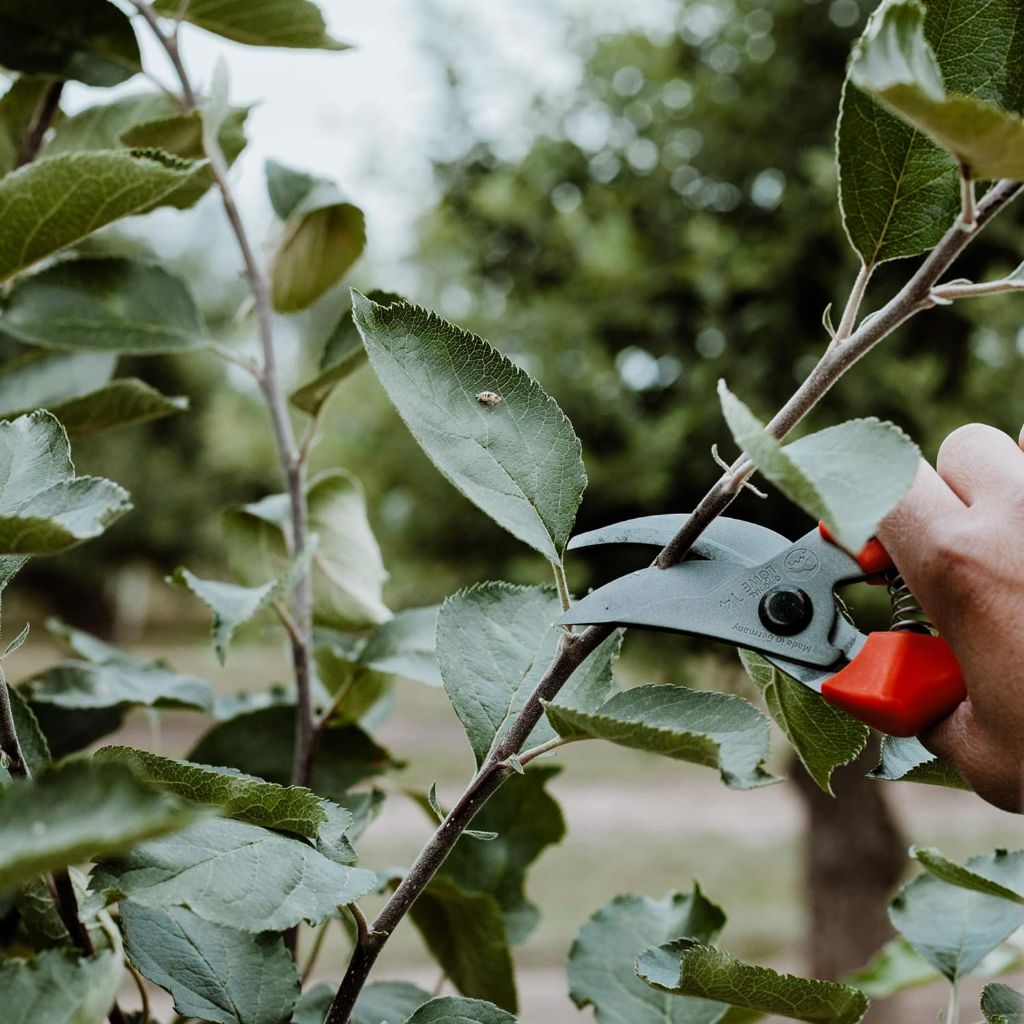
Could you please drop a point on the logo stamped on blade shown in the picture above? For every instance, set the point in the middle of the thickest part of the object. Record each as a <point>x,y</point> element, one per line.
<point>801,563</point>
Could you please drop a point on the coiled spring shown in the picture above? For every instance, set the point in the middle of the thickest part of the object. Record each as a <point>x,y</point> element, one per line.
<point>907,614</point>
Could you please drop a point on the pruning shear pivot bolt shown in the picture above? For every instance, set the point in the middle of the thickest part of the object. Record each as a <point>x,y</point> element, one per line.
<point>746,585</point>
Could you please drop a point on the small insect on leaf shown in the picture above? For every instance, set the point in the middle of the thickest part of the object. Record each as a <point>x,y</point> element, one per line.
<point>489,398</point>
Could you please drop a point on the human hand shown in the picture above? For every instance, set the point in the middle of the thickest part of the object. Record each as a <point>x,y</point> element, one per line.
<point>958,540</point>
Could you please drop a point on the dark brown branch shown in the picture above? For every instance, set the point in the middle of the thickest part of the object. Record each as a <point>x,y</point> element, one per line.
<point>33,140</point>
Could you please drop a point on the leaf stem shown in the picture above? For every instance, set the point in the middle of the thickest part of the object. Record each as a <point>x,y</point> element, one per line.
<point>9,743</point>
<point>573,649</point>
<point>33,140</point>
<point>292,459</point>
<point>971,290</point>
<point>953,1007</point>
<point>563,586</point>
<point>968,219</point>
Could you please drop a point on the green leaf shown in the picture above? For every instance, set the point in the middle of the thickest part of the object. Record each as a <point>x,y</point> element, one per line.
<point>323,237</point>
<point>44,507</point>
<point>997,874</point>
<point>215,973</point>
<point>822,736</point>
<point>1002,1005</point>
<point>896,967</point>
<point>47,380</point>
<point>68,730</point>
<point>343,352</point>
<point>899,191</point>
<point>41,918</point>
<point>284,808</point>
<point>453,1010</point>
<point>108,677</point>
<point>184,135</point>
<point>56,201</point>
<point>211,868</point>
<point>33,742</point>
<point>232,606</point>
<point>380,1002</point>
<point>719,730</point>
<point>354,687</point>
<point>292,23</point>
<point>824,473</point>
<point>908,760</point>
<point>107,304</point>
<point>90,41</point>
<point>894,63</point>
<point>348,571</point>
<point>600,968</point>
<point>261,743</point>
<point>524,820</point>
<point>494,642</point>
<point>952,928</point>
<point>101,126</point>
<point>19,110</point>
<point>693,969</point>
<point>518,459</point>
<point>405,646</point>
<point>71,813</point>
<point>59,987</point>
<point>465,932</point>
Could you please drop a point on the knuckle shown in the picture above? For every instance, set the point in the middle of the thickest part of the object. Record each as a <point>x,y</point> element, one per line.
<point>959,444</point>
<point>958,554</point>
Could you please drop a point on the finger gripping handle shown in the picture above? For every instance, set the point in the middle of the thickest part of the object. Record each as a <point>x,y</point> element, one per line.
<point>900,682</point>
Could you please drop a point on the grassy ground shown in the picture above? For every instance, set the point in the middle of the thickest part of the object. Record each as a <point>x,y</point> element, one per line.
<point>637,823</point>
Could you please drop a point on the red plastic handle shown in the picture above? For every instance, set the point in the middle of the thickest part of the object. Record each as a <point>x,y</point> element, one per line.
<point>900,682</point>
<point>872,558</point>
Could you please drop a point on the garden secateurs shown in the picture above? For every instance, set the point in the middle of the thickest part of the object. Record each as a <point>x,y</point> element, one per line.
<point>749,586</point>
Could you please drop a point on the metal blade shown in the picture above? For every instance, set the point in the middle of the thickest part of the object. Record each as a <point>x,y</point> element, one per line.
<point>719,599</point>
<point>735,539</point>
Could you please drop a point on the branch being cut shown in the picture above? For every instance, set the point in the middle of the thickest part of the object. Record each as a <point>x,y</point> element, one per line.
<point>574,648</point>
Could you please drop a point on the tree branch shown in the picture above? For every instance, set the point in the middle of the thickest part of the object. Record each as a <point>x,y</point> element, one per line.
<point>293,460</point>
<point>574,648</point>
<point>33,140</point>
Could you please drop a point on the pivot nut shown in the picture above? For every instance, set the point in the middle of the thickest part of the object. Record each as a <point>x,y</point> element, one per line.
<point>785,610</point>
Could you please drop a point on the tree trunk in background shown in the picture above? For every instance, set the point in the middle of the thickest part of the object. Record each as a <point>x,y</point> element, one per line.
<point>854,854</point>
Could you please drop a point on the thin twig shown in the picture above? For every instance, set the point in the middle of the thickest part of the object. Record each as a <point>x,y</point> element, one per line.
<point>853,304</point>
<point>229,355</point>
<point>572,651</point>
<point>543,748</point>
<point>292,460</point>
<point>314,952</point>
<point>61,887</point>
<point>169,43</point>
<point>954,290</point>
<point>143,993</point>
<point>33,140</point>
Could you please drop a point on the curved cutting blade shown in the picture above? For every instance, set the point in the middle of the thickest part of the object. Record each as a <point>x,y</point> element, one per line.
<point>732,539</point>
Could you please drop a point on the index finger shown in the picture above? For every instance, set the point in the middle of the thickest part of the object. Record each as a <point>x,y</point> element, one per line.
<point>912,530</point>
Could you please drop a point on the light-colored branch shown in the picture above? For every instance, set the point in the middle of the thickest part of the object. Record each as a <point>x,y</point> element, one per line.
<point>853,304</point>
<point>292,460</point>
<point>944,293</point>
<point>573,649</point>
<point>544,748</point>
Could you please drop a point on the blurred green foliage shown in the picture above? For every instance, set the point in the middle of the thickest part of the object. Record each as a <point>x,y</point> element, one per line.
<point>673,221</point>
